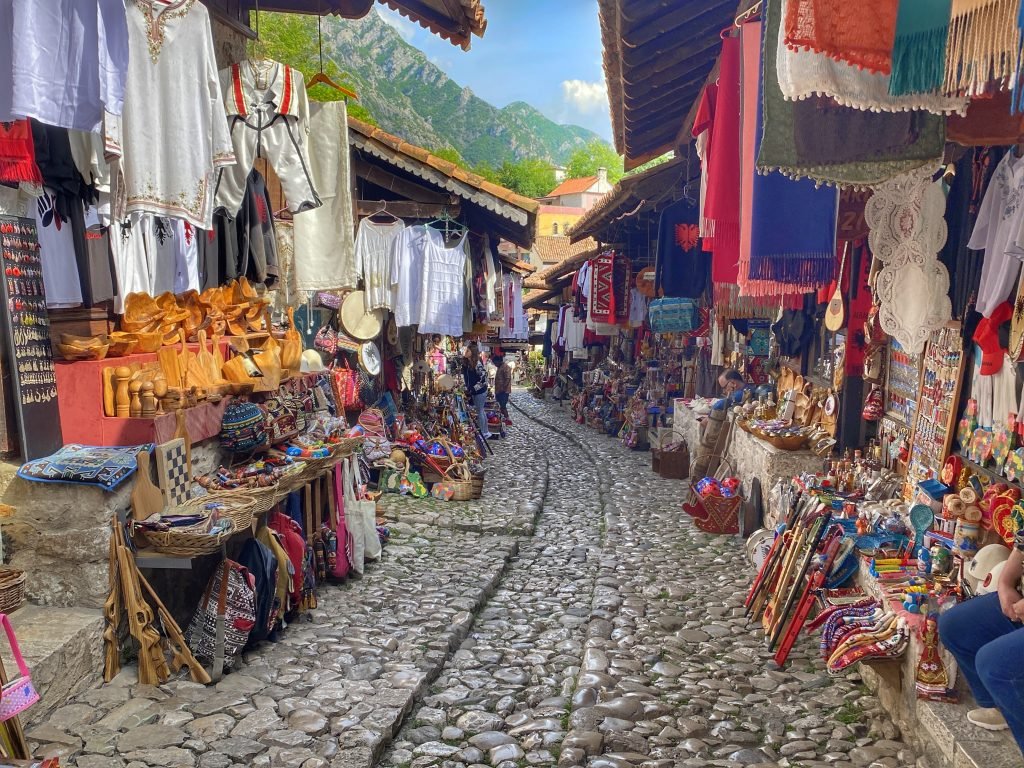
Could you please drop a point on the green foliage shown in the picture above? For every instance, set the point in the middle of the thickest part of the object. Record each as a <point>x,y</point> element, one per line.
<point>487,171</point>
<point>651,163</point>
<point>530,177</point>
<point>451,154</point>
<point>291,38</point>
<point>595,154</point>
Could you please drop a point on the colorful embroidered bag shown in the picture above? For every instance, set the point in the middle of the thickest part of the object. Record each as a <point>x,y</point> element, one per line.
<point>19,694</point>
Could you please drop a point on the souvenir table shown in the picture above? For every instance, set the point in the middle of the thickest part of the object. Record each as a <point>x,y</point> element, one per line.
<point>753,457</point>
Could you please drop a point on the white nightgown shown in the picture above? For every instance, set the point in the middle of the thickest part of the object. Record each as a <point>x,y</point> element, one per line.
<point>173,133</point>
<point>444,287</point>
<point>373,260</point>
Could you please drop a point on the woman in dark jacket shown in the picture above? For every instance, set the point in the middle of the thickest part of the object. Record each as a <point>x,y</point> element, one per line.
<point>475,376</point>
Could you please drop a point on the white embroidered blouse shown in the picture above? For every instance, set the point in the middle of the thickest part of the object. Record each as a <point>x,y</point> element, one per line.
<point>173,131</point>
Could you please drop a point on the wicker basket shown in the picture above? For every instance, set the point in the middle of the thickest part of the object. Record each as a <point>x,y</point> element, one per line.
<point>461,480</point>
<point>478,485</point>
<point>12,589</point>
<point>193,540</point>
<point>291,481</point>
<point>243,504</point>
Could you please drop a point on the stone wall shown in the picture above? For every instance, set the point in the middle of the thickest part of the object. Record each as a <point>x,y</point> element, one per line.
<point>228,43</point>
<point>60,534</point>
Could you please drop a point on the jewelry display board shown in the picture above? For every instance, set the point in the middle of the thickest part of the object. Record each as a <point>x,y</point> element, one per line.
<point>26,329</point>
<point>903,380</point>
<point>942,369</point>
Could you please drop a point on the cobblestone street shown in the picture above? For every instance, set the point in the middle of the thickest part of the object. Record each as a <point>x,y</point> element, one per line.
<point>571,617</point>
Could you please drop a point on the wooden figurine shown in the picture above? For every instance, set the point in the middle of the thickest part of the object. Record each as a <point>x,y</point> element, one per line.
<point>160,392</point>
<point>122,400</point>
<point>148,400</point>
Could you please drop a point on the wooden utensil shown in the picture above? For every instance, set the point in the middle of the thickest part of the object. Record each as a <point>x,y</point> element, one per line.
<point>171,366</point>
<point>182,432</point>
<point>185,357</point>
<point>181,656</point>
<point>109,399</point>
<point>146,498</point>
<point>291,347</point>
<point>207,361</point>
<point>218,353</point>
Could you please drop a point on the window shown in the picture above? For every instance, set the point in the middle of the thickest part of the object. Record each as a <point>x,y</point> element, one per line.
<point>554,228</point>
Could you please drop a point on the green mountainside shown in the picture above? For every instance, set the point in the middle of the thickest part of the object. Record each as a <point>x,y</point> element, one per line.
<point>411,97</point>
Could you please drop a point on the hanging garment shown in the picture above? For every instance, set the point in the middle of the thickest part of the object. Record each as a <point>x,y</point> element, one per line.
<point>602,295</point>
<point>491,272</point>
<point>804,73</point>
<point>18,154</point>
<point>324,239</point>
<point>257,243</point>
<point>467,291</point>
<point>285,293</point>
<point>919,48</point>
<point>722,207</point>
<point>443,287</point>
<point>998,224</point>
<point>682,267</point>
<point>268,114</point>
<point>57,166</point>
<point>637,308</point>
<point>373,261</point>
<point>172,134</point>
<point>57,253</point>
<point>146,255</point>
<point>784,256</point>
<point>63,62</point>
<point>861,34</point>
<point>407,257</point>
<point>907,231</point>
<point>186,257</point>
<point>778,150</point>
<point>701,132</point>
<point>95,263</point>
<point>988,122</point>
<point>983,45</point>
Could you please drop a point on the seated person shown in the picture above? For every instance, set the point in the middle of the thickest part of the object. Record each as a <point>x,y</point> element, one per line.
<point>986,636</point>
<point>733,388</point>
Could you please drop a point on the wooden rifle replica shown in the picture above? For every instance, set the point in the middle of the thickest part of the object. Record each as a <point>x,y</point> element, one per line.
<point>759,589</point>
<point>797,583</point>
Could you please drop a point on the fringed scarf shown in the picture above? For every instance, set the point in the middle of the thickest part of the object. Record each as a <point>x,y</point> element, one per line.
<point>722,204</point>
<point>983,45</point>
<point>787,253</point>
<point>919,51</point>
<point>860,33</point>
<point>988,123</point>
<point>871,160</point>
<point>17,154</point>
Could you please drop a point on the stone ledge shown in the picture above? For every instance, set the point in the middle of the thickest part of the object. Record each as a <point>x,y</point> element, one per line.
<point>63,648</point>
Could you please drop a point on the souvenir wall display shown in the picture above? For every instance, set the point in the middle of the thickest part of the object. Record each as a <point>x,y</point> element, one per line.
<point>26,330</point>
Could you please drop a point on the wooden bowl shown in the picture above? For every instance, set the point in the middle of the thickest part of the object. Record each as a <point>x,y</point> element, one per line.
<point>82,342</point>
<point>122,347</point>
<point>148,342</point>
<point>74,354</point>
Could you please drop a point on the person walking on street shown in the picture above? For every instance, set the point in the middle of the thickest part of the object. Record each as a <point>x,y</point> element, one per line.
<point>503,386</point>
<point>475,377</point>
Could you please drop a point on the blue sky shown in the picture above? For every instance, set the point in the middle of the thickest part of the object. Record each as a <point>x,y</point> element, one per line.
<point>545,53</point>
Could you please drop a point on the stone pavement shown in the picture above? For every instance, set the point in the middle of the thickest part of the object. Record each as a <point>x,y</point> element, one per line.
<point>571,617</point>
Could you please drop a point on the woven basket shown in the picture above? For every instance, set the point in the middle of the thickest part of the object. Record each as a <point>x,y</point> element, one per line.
<point>291,481</point>
<point>345,447</point>
<point>461,480</point>
<point>12,589</point>
<point>478,485</point>
<point>243,504</point>
<point>193,540</point>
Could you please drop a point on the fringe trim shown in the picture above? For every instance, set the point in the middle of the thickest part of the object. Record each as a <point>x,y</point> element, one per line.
<point>983,45</point>
<point>919,62</point>
<point>803,268</point>
<point>956,105</point>
<point>18,171</point>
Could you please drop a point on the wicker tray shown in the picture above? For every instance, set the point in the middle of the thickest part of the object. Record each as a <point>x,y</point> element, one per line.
<point>189,541</point>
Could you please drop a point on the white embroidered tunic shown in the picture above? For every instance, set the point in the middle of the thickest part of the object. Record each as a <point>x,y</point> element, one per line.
<point>173,132</point>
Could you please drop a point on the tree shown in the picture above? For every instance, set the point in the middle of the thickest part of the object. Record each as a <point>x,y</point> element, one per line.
<point>451,154</point>
<point>487,171</point>
<point>530,177</point>
<point>292,38</point>
<point>652,163</point>
<point>595,154</point>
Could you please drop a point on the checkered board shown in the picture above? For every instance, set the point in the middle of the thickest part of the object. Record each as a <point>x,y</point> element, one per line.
<point>172,472</point>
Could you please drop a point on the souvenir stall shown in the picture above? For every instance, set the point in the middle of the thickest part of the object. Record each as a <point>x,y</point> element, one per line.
<point>893,395</point>
<point>219,343</point>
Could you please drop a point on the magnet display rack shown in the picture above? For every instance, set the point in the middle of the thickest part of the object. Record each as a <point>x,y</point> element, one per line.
<point>942,370</point>
<point>26,329</point>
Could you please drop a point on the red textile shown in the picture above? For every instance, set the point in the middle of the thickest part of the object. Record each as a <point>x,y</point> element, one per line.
<point>705,121</point>
<point>291,539</point>
<point>722,201</point>
<point>860,33</point>
<point>18,154</point>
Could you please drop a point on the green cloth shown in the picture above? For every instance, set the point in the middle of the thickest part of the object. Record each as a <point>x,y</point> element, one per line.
<point>870,163</point>
<point>919,53</point>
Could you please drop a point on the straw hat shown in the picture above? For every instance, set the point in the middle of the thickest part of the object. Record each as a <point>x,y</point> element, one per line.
<point>1017,325</point>
<point>356,321</point>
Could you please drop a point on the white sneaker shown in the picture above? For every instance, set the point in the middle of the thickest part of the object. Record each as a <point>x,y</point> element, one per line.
<point>989,718</point>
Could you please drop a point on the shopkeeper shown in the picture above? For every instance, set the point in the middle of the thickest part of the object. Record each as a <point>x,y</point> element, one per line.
<point>986,636</point>
<point>732,384</point>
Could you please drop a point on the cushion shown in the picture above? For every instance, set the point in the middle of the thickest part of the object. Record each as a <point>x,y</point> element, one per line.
<point>106,467</point>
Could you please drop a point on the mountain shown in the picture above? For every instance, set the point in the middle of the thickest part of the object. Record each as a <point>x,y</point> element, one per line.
<point>411,97</point>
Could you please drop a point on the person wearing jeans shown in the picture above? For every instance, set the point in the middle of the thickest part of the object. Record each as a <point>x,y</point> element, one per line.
<point>986,636</point>
<point>475,378</point>
<point>503,386</point>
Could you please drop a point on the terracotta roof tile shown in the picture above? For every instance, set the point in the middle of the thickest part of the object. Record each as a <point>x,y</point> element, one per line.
<point>431,14</point>
<point>573,186</point>
<point>553,249</point>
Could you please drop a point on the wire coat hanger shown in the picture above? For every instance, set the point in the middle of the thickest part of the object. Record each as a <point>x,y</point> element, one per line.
<point>383,209</point>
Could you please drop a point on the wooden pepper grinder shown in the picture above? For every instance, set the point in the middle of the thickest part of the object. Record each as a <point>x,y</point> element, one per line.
<point>135,409</point>
<point>122,399</point>
<point>160,392</point>
<point>148,400</point>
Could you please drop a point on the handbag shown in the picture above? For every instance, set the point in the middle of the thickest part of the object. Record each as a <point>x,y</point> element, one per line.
<point>360,518</point>
<point>286,418</point>
<point>328,300</point>
<point>19,694</point>
<point>326,340</point>
<point>233,614</point>
<point>672,315</point>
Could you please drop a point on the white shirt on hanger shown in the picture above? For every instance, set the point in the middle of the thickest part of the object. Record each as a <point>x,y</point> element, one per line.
<point>407,254</point>
<point>373,260</point>
<point>1000,221</point>
<point>443,286</point>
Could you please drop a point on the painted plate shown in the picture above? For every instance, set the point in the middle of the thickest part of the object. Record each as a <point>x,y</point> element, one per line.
<point>1002,519</point>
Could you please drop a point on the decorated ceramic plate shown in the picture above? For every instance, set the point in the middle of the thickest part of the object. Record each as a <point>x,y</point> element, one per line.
<point>1002,519</point>
<point>1002,440</point>
<point>964,431</point>
<point>1014,468</point>
<point>761,548</point>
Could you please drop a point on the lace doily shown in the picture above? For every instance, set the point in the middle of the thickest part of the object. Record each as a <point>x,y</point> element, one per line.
<point>913,300</point>
<point>906,216</point>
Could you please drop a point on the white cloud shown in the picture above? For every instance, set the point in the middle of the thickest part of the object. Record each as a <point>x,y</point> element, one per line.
<point>403,26</point>
<point>586,98</point>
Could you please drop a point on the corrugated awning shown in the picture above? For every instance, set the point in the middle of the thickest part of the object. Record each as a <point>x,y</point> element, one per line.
<point>657,56</point>
<point>454,20</point>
